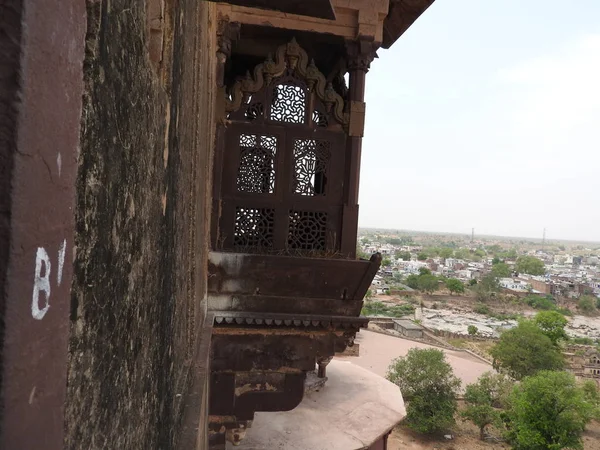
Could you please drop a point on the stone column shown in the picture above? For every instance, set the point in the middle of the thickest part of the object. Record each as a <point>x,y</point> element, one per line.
<point>360,53</point>
<point>41,86</point>
<point>323,363</point>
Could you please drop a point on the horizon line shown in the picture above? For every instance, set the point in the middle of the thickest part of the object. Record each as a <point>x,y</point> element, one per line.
<point>548,240</point>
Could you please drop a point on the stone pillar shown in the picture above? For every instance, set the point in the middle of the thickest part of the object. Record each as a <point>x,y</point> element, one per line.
<point>227,33</point>
<point>360,53</point>
<point>41,86</point>
<point>322,373</point>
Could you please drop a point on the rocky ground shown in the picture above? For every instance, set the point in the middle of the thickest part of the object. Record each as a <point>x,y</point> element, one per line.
<point>455,314</point>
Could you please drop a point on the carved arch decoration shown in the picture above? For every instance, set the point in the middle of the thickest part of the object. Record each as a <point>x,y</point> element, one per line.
<point>291,57</point>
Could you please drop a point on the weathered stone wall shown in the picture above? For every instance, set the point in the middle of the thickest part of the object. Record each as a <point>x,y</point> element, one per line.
<point>138,296</point>
<point>10,37</point>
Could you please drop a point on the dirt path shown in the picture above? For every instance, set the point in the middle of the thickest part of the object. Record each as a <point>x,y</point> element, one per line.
<point>378,350</point>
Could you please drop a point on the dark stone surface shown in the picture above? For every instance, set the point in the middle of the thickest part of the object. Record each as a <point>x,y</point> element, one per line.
<point>10,38</point>
<point>137,298</point>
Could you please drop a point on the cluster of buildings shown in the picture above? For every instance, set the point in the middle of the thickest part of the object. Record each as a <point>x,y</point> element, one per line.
<point>567,275</point>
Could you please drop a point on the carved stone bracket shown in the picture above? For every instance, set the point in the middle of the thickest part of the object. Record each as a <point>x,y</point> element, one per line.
<point>360,54</point>
<point>290,57</point>
<point>227,32</point>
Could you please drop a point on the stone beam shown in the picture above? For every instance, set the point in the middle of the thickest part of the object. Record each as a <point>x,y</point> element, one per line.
<point>354,18</point>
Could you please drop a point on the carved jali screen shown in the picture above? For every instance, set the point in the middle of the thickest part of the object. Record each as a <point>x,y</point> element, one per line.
<point>283,166</point>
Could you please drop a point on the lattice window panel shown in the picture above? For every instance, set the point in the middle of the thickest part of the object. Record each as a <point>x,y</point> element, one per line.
<point>311,163</point>
<point>320,119</point>
<point>254,227</point>
<point>307,230</point>
<point>289,104</point>
<point>256,172</point>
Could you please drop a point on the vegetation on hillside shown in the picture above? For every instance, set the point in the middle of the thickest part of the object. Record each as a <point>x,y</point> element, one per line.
<point>374,308</point>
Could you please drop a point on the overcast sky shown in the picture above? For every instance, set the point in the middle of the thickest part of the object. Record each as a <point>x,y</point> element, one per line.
<point>486,114</point>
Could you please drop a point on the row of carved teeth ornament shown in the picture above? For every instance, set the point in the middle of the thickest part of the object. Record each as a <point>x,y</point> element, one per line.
<point>293,58</point>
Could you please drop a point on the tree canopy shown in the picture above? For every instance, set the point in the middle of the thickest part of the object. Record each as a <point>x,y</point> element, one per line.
<point>412,281</point>
<point>446,252</point>
<point>428,283</point>
<point>428,384</point>
<point>454,285</point>
<point>404,256</point>
<point>501,270</point>
<point>484,400</point>
<point>552,324</point>
<point>548,411</point>
<point>530,265</point>
<point>487,286</point>
<point>525,350</point>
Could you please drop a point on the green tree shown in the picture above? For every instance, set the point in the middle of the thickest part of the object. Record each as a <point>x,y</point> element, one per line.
<point>369,294</point>
<point>430,387</point>
<point>525,350</point>
<point>479,252</point>
<point>428,283</point>
<point>462,253</point>
<point>412,281</point>
<point>586,304</point>
<point>530,265</point>
<point>446,252</point>
<point>548,411</point>
<point>486,287</point>
<point>421,256</point>
<point>501,270</point>
<point>386,262</point>
<point>496,260</point>
<point>472,330</point>
<point>472,282</point>
<point>552,324</point>
<point>511,254</point>
<point>424,271</point>
<point>592,395</point>
<point>455,286</point>
<point>484,400</point>
<point>404,256</point>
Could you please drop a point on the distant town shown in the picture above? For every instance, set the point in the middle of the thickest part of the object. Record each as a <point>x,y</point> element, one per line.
<point>562,269</point>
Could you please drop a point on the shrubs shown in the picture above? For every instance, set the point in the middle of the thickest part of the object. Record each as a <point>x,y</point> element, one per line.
<point>381,309</point>
<point>428,384</point>
<point>537,302</point>
<point>587,305</point>
<point>480,308</point>
<point>472,330</point>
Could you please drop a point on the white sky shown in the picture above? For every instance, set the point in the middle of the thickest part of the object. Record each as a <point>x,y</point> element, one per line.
<point>486,114</point>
